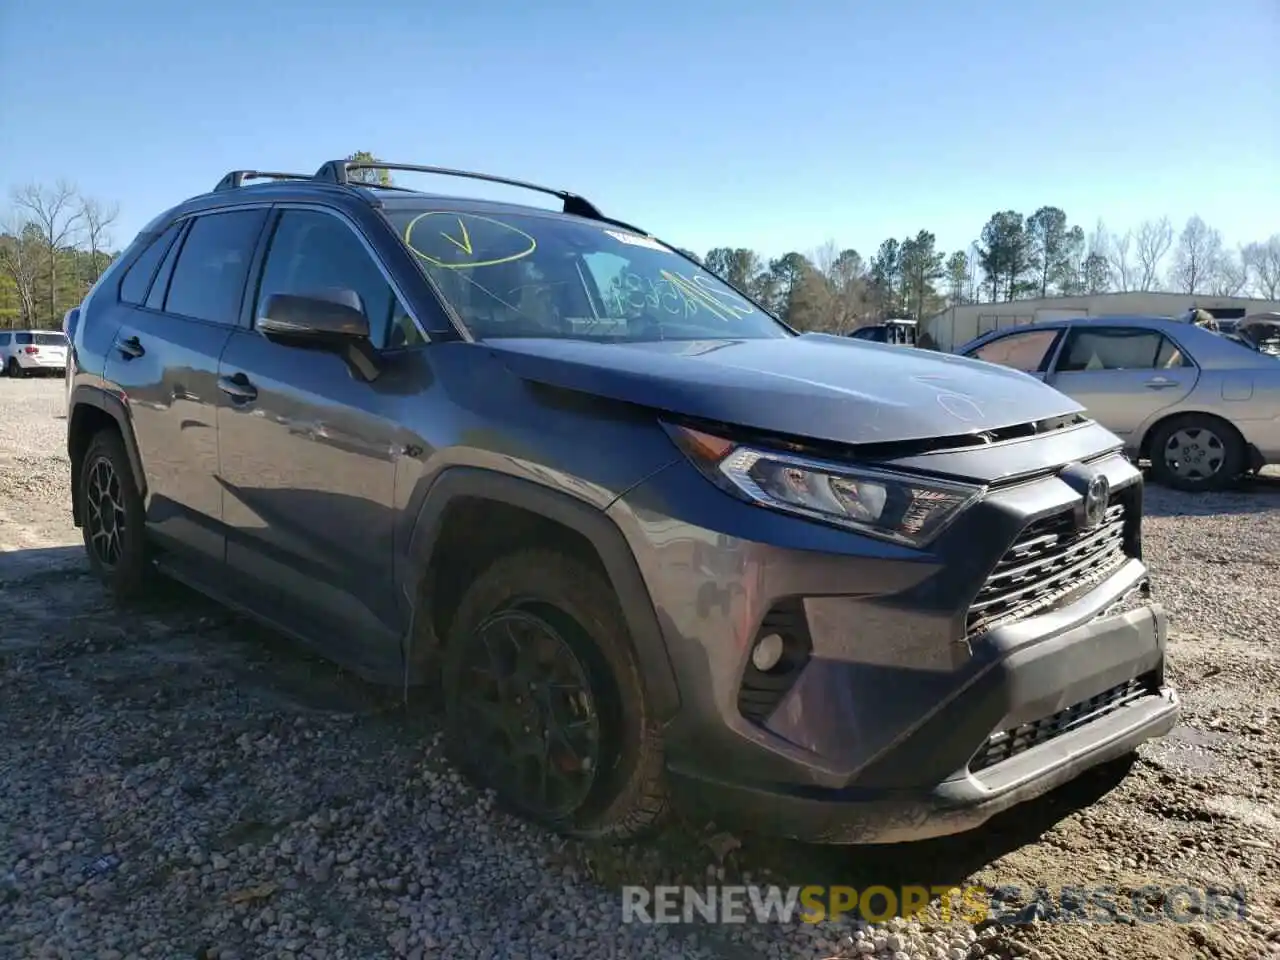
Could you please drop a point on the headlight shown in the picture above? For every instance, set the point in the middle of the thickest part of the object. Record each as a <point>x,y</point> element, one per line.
<point>892,506</point>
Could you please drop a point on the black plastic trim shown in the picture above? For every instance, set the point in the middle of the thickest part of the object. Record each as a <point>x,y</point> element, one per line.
<point>608,541</point>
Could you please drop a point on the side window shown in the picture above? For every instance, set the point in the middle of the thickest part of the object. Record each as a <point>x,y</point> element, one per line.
<point>1028,352</point>
<point>137,279</point>
<point>315,253</point>
<point>160,286</point>
<point>1170,357</point>
<point>1115,349</point>
<point>4,339</point>
<point>208,279</point>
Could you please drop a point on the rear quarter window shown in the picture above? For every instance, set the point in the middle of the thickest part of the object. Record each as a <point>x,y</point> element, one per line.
<point>137,278</point>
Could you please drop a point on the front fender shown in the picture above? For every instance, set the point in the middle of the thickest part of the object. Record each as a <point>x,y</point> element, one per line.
<point>582,518</point>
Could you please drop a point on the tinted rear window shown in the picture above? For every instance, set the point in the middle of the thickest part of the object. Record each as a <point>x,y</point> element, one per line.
<point>41,339</point>
<point>137,279</point>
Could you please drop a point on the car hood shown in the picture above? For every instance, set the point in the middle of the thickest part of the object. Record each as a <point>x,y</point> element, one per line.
<point>814,385</point>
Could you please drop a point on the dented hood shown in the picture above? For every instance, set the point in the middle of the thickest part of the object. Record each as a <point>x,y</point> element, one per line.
<point>816,386</point>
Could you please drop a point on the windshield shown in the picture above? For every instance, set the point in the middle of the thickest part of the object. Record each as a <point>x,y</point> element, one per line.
<point>524,275</point>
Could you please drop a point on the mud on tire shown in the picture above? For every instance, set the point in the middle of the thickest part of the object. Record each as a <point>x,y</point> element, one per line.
<point>626,794</point>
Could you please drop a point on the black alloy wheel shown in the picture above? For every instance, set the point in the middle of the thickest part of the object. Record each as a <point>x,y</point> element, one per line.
<point>544,699</point>
<point>105,513</point>
<point>528,714</point>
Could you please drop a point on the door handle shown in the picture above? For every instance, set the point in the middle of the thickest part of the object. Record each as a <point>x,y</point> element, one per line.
<point>1159,383</point>
<point>130,349</point>
<point>238,388</point>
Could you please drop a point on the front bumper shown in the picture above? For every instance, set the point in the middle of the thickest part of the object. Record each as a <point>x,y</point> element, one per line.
<point>905,718</point>
<point>1099,656</point>
<point>41,363</point>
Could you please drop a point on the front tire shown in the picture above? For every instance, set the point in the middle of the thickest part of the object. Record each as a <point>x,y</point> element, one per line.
<point>545,703</point>
<point>113,522</point>
<point>1196,452</point>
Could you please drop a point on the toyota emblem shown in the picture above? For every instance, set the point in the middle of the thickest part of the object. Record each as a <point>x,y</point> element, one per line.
<point>1096,497</point>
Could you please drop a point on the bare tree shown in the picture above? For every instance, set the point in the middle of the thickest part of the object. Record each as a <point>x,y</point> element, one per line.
<point>1262,260</point>
<point>1198,256</point>
<point>54,212</point>
<point>1095,269</point>
<point>1154,239</point>
<point>20,244</point>
<point>1121,260</point>
<point>98,219</point>
<point>1228,274</point>
<point>837,293</point>
<point>972,282</point>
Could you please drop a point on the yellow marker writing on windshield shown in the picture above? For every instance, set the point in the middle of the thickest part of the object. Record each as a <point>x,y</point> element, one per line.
<point>516,238</point>
<point>465,244</point>
<point>696,295</point>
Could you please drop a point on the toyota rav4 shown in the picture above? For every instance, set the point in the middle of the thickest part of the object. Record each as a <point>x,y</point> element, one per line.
<point>645,544</point>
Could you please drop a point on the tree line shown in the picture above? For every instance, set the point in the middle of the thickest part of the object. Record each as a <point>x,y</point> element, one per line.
<point>1015,257</point>
<point>56,241</point>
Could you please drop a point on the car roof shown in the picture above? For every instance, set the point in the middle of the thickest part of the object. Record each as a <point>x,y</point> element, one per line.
<point>360,196</point>
<point>333,183</point>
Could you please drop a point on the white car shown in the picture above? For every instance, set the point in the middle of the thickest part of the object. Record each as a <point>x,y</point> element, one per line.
<point>23,352</point>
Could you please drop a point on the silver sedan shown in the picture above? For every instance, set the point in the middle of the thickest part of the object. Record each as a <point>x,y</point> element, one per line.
<point>1201,407</point>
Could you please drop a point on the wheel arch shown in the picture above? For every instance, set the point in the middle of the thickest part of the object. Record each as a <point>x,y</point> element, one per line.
<point>497,513</point>
<point>93,409</point>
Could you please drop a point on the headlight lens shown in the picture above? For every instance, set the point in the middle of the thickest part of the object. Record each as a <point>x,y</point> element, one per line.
<point>900,507</point>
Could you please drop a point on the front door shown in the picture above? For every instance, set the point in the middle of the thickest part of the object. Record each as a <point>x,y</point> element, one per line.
<point>165,359</point>
<point>1123,376</point>
<point>308,450</point>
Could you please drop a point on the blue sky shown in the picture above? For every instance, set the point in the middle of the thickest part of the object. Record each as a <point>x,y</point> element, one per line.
<point>707,122</point>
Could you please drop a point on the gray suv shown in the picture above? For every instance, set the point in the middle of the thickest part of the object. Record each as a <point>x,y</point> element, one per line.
<point>641,542</point>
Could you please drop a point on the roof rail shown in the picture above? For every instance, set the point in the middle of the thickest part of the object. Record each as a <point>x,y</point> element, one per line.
<point>236,178</point>
<point>338,171</point>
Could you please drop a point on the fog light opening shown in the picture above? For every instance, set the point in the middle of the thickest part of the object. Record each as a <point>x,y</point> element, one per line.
<point>768,652</point>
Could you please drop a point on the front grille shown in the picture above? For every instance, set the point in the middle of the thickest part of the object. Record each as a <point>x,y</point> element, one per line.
<point>1050,562</point>
<point>1003,744</point>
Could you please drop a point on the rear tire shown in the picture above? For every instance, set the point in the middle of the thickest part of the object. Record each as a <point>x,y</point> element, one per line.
<point>113,521</point>
<point>14,369</point>
<point>1196,452</point>
<point>564,616</point>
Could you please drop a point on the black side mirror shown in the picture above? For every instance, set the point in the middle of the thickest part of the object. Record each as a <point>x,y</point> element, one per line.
<point>323,319</point>
<point>332,320</point>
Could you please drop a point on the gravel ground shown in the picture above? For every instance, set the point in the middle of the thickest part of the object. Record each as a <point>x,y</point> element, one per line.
<point>177,783</point>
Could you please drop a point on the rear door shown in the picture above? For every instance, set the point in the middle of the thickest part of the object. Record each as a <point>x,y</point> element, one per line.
<point>1122,375</point>
<point>186,295</point>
